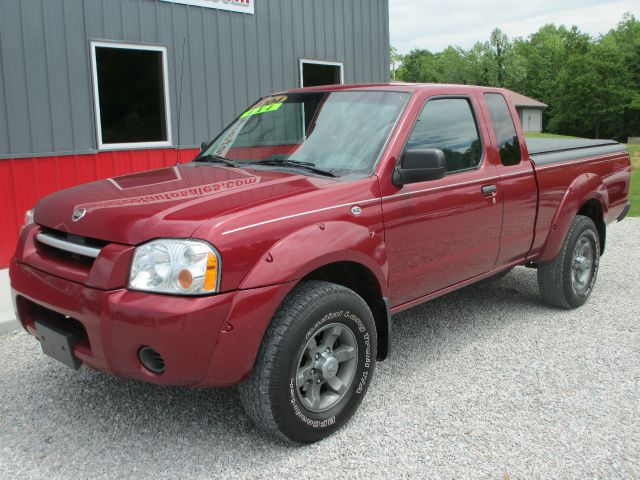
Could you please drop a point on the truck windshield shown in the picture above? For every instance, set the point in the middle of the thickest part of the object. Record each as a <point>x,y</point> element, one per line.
<point>338,132</point>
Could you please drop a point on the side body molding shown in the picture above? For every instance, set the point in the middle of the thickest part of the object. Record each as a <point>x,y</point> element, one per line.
<point>585,187</point>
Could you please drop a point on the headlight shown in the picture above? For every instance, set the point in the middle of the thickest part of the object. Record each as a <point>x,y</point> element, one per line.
<point>181,267</point>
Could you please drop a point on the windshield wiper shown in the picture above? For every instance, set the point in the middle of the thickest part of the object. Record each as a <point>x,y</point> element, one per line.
<point>298,164</point>
<point>218,159</point>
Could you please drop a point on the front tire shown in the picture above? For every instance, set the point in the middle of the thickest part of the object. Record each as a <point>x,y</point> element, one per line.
<point>314,365</point>
<point>568,280</point>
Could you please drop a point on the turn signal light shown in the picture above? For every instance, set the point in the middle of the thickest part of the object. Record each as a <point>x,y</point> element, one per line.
<point>211,276</point>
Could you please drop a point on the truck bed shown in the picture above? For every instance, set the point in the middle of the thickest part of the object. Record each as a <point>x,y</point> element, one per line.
<point>544,151</point>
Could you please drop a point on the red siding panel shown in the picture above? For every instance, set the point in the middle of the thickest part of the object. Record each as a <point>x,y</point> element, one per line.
<point>23,181</point>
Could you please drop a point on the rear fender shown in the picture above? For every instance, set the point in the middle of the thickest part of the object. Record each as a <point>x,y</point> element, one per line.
<point>315,246</point>
<point>585,187</point>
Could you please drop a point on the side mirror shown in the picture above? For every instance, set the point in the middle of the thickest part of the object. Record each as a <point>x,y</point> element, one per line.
<point>203,146</point>
<point>420,165</point>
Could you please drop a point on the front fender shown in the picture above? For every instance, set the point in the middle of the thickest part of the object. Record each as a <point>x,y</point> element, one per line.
<point>585,187</point>
<point>303,251</point>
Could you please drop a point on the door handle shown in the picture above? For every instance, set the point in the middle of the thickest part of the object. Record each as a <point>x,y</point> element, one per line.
<point>489,190</point>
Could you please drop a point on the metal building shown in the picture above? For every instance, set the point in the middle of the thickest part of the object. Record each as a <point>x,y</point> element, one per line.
<point>91,89</point>
<point>529,111</point>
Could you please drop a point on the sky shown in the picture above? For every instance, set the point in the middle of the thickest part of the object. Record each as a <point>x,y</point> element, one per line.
<point>436,24</point>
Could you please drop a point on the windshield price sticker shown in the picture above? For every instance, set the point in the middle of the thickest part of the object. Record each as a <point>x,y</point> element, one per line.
<point>264,109</point>
<point>269,104</point>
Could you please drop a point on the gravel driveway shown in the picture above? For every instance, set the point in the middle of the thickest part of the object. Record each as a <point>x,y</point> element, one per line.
<point>483,383</point>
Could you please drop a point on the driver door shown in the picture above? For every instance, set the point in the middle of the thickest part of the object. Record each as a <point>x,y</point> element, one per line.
<point>444,231</point>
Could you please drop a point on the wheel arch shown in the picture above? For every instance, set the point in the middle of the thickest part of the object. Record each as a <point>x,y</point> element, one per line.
<point>587,195</point>
<point>360,279</point>
<point>593,209</point>
<point>341,252</point>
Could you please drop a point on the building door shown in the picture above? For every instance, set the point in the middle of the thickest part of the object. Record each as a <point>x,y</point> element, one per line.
<point>314,73</point>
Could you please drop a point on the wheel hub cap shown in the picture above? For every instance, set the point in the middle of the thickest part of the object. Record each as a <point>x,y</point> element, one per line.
<point>326,367</point>
<point>582,265</point>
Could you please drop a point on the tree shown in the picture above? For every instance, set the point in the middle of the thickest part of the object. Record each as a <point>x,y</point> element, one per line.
<point>452,66</point>
<point>591,85</point>
<point>395,59</point>
<point>627,37</point>
<point>501,46</point>
<point>481,65</point>
<point>588,91</point>
<point>412,65</point>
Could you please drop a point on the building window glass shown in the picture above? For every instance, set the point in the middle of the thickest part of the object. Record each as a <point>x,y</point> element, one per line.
<point>131,95</point>
<point>315,73</point>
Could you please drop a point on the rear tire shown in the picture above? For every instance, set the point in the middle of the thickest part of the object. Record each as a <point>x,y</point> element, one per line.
<point>314,365</point>
<point>568,280</point>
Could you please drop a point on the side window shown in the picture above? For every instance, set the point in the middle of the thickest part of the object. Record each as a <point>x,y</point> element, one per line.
<point>504,129</point>
<point>449,124</point>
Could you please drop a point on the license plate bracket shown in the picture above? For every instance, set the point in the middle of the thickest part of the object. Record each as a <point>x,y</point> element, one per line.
<point>57,343</point>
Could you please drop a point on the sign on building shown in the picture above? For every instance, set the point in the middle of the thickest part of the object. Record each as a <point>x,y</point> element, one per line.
<point>242,6</point>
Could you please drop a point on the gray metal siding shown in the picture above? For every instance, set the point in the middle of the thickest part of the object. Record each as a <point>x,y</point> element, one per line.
<point>230,60</point>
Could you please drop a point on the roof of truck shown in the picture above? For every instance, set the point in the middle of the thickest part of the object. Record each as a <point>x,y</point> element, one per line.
<point>392,87</point>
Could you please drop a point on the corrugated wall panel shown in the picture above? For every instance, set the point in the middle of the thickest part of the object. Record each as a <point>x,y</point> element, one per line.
<point>39,97</point>
<point>351,70</point>
<point>4,127</point>
<point>23,181</point>
<point>81,121</point>
<point>385,46</point>
<point>8,213</point>
<point>287,40</point>
<point>230,59</point>
<point>14,79</point>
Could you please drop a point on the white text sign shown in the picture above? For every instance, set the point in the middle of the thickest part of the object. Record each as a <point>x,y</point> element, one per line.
<point>242,6</point>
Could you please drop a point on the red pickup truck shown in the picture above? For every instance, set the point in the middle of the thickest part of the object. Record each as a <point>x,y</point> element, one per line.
<point>276,258</point>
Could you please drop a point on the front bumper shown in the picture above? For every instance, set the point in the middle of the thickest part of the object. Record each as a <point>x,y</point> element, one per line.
<point>205,341</point>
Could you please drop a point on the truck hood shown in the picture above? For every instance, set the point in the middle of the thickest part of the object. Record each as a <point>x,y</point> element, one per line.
<point>169,202</point>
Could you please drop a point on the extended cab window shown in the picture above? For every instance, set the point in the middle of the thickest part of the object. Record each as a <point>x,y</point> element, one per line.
<point>449,124</point>
<point>504,129</point>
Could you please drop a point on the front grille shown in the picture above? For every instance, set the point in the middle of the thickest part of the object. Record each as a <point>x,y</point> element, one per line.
<point>69,246</point>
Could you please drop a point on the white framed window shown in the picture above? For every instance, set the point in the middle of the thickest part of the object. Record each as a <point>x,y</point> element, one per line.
<point>131,95</point>
<point>320,72</point>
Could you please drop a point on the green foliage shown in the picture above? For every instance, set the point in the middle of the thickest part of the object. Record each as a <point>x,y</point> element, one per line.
<point>634,194</point>
<point>395,59</point>
<point>592,85</point>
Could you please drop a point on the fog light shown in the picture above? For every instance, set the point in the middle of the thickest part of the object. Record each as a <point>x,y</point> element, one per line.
<point>151,360</point>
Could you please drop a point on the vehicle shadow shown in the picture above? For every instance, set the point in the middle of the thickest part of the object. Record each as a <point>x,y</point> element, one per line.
<point>132,413</point>
<point>465,315</point>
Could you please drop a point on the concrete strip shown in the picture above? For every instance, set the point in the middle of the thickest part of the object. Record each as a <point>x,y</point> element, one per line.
<point>8,322</point>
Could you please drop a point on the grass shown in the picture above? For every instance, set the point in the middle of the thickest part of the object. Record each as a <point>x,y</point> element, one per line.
<point>634,151</point>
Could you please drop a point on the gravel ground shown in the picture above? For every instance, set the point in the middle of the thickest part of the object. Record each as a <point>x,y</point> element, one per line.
<point>486,382</point>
